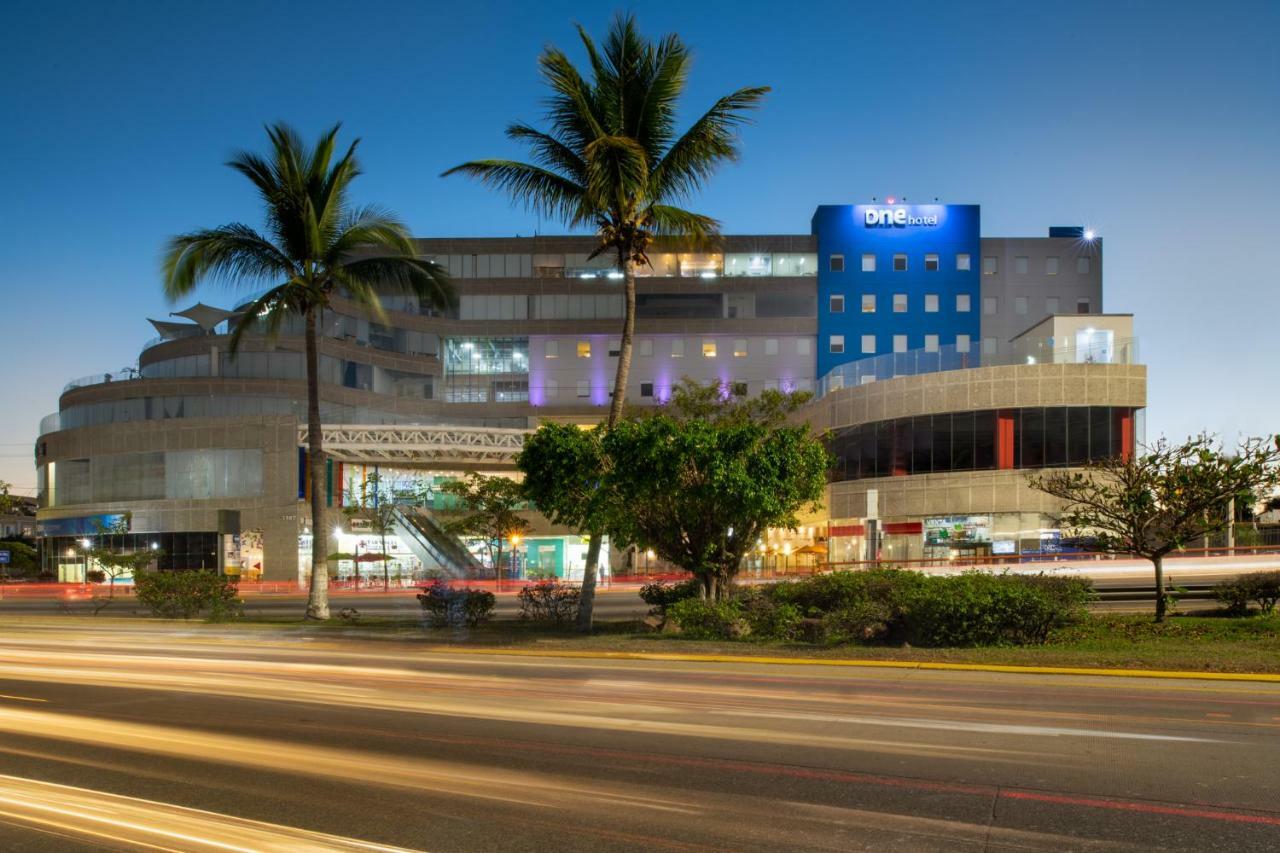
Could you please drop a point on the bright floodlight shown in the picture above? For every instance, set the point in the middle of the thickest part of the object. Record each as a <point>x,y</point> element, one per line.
<point>1089,235</point>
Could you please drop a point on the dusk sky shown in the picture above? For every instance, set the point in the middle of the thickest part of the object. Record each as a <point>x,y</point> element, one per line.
<point>1155,123</point>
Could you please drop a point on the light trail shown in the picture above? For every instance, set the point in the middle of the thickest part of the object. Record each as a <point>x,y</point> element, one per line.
<point>101,817</point>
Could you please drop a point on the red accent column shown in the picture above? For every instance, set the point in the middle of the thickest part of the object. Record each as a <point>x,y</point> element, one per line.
<point>1004,439</point>
<point>1124,423</point>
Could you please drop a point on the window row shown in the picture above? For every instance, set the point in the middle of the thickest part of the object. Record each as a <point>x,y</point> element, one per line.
<point>867,303</point>
<point>900,263</point>
<point>673,347</point>
<point>668,264</point>
<point>868,343</point>
<point>1022,305</point>
<point>1022,265</point>
<point>1052,436</point>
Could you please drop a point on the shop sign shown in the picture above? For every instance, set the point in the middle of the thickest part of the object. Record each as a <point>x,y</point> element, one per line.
<point>957,529</point>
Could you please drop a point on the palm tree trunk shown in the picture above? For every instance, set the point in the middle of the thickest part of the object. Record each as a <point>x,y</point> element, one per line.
<point>587,601</point>
<point>318,596</point>
<point>1158,563</point>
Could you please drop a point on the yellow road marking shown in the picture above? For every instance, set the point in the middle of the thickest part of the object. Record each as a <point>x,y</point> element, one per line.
<point>22,698</point>
<point>874,664</point>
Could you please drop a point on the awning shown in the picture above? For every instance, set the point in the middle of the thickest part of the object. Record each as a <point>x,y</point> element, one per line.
<point>171,331</point>
<point>205,316</point>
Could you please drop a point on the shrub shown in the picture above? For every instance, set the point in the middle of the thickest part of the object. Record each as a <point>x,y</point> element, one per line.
<point>549,602</point>
<point>1260,587</point>
<point>660,595</point>
<point>184,594</point>
<point>765,618</point>
<point>864,621</point>
<point>854,593</point>
<point>1233,595</point>
<point>443,606</point>
<point>978,609</point>
<point>700,619</point>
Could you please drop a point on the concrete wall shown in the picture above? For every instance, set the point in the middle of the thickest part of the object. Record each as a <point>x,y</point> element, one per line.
<point>1036,285</point>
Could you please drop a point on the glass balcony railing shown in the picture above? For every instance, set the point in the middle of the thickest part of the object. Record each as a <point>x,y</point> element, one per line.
<point>51,423</point>
<point>125,374</point>
<point>915,362</point>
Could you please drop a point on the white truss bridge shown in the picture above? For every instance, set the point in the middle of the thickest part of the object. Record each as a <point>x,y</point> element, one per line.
<point>490,447</point>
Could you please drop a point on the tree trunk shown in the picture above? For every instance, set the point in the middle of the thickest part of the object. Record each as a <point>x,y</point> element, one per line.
<point>587,597</point>
<point>318,596</point>
<point>1161,605</point>
<point>586,603</point>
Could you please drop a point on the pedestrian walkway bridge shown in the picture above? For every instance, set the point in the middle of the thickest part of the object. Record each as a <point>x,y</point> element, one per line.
<point>464,447</point>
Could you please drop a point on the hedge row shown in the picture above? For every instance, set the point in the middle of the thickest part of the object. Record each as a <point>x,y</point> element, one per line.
<point>886,606</point>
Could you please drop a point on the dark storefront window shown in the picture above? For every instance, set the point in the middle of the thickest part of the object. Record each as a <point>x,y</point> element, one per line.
<point>1052,436</point>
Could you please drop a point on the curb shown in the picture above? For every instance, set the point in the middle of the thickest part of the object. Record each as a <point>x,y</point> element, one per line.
<point>1264,677</point>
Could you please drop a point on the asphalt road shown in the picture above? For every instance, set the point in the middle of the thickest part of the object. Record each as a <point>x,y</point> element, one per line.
<point>118,735</point>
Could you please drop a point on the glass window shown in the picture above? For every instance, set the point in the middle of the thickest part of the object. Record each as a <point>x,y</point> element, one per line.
<point>899,263</point>
<point>1051,265</point>
<point>1082,306</point>
<point>1077,435</point>
<point>962,343</point>
<point>899,343</point>
<point>868,303</point>
<point>709,349</point>
<point>837,303</point>
<point>931,303</point>
<point>802,346</point>
<point>1020,305</point>
<point>615,349</point>
<point>584,390</point>
<point>793,264</point>
<point>963,262</point>
<point>836,263</point>
<point>700,264</point>
<point>1051,305</point>
<point>786,304</point>
<point>899,303</point>
<point>930,262</point>
<point>1020,264</point>
<point>748,263</point>
<point>990,305</point>
<point>462,356</point>
<point>1082,265</point>
<point>770,346</point>
<point>868,344</point>
<point>930,343</point>
<point>677,347</point>
<point>551,349</point>
<point>740,348</point>
<point>553,389</point>
<point>989,346</point>
<point>837,343</point>
<point>646,389</point>
<point>584,349</point>
<point>984,440</point>
<point>990,266</point>
<point>646,347</point>
<point>962,441</point>
<point>868,262</point>
<point>962,303</point>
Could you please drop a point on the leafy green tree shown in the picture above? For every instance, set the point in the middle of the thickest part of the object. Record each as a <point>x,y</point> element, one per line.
<point>697,480</point>
<point>316,245</point>
<point>611,159</point>
<point>491,514</point>
<point>1150,503</point>
<point>8,503</point>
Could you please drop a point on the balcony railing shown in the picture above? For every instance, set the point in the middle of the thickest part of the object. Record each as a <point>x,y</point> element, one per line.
<point>127,374</point>
<point>915,362</point>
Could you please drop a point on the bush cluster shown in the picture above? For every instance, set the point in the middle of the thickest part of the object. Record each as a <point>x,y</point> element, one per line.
<point>443,606</point>
<point>549,602</point>
<point>893,606</point>
<point>660,595</point>
<point>1261,588</point>
<point>186,594</point>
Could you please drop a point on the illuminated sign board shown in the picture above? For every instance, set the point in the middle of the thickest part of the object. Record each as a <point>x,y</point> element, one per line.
<point>897,217</point>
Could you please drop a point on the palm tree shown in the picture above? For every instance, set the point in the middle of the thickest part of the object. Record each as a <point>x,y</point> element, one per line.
<point>315,245</point>
<point>611,159</point>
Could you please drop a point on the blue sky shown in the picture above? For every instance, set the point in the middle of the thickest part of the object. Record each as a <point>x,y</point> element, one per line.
<point>1156,123</point>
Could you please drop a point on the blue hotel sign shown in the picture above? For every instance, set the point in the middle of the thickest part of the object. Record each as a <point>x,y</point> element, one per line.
<point>898,217</point>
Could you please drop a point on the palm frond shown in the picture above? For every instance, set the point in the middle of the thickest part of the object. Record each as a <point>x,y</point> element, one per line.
<point>708,142</point>
<point>230,253</point>
<point>653,108</point>
<point>271,308</point>
<point>699,231</point>
<point>538,189</point>
<point>369,278</point>
<point>617,174</point>
<point>573,108</point>
<point>549,152</point>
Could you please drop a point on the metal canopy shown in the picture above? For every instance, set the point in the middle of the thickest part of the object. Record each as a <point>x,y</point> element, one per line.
<point>205,316</point>
<point>422,445</point>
